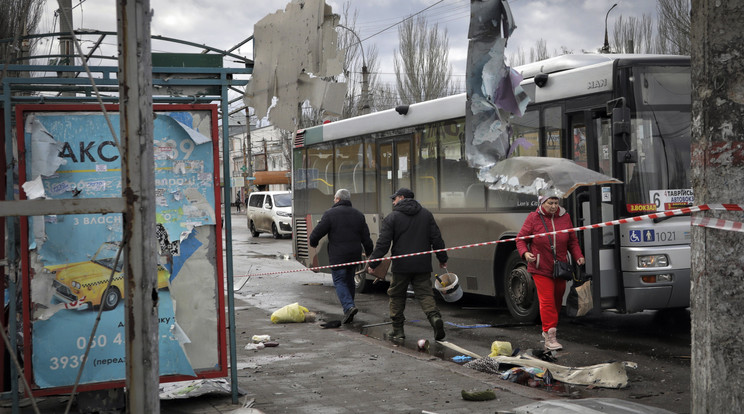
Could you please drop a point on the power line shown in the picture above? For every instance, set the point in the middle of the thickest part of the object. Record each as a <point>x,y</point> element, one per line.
<point>395,24</point>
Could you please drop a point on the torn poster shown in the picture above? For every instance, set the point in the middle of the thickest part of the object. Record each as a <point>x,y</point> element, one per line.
<point>81,253</point>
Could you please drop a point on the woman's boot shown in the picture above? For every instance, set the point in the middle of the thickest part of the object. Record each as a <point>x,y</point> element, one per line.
<point>551,340</point>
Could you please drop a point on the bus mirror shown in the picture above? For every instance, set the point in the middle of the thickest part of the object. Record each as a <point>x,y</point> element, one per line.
<point>627,157</point>
<point>620,122</point>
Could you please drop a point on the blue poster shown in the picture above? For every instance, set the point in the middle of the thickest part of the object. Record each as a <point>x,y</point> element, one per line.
<point>73,155</point>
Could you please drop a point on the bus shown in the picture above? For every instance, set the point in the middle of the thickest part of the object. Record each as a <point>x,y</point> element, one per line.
<point>626,116</point>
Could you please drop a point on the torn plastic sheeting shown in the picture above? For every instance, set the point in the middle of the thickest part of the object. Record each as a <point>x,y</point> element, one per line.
<point>299,40</point>
<point>195,388</point>
<point>607,375</point>
<point>493,91</point>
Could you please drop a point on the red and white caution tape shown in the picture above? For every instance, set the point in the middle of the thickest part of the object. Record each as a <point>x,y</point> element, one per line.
<point>698,221</point>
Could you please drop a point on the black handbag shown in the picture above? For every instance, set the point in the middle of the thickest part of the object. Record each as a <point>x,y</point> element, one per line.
<point>561,270</point>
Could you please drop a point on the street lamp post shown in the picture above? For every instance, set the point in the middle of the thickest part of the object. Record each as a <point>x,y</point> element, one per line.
<point>606,47</point>
<point>365,75</point>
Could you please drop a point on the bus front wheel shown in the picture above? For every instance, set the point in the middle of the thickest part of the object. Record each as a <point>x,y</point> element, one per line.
<point>519,290</point>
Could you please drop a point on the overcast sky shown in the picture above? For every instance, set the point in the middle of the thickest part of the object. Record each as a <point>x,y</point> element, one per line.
<point>576,24</point>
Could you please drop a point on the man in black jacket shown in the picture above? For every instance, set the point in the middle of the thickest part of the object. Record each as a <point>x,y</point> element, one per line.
<point>347,233</point>
<point>411,228</point>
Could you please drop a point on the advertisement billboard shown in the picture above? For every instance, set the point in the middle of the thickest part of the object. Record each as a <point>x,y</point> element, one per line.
<point>71,264</point>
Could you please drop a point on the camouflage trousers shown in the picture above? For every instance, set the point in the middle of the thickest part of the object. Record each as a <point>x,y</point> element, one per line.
<point>422,289</point>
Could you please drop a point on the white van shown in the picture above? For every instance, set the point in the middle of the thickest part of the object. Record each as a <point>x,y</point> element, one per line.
<point>270,211</point>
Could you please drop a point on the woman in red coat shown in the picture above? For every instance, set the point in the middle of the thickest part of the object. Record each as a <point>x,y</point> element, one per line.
<point>539,257</point>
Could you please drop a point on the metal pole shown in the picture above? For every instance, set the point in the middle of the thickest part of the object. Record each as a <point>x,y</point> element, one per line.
<point>65,40</point>
<point>364,107</point>
<point>226,159</point>
<point>138,178</point>
<point>606,46</point>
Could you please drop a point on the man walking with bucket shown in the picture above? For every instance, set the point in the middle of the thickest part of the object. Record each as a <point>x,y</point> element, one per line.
<point>411,229</point>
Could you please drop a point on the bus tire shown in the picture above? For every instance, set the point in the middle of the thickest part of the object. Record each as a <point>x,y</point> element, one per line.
<point>519,290</point>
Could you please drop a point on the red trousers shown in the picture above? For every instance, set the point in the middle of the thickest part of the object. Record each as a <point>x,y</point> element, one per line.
<point>550,295</point>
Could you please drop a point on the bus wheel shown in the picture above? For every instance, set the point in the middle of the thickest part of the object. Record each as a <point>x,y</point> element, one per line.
<point>519,290</point>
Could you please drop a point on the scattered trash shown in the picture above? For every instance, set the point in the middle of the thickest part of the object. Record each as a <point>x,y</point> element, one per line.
<point>271,344</point>
<point>548,356</point>
<point>456,348</point>
<point>607,375</point>
<point>462,358</point>
<point>291,313</point>
<point>480,325</point>
<point>423,344</point>
<point>331,324</point>
<point>475,395</point>
<point>194,388</point>
<point>255,347</point>
<point>377,324</point>
<point>500,348</point>
<point>260,338</point>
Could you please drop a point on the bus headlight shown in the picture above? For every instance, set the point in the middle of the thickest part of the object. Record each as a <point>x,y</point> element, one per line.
<point>654,260</point>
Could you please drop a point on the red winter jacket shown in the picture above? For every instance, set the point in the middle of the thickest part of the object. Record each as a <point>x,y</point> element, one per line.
<point>540,246</point>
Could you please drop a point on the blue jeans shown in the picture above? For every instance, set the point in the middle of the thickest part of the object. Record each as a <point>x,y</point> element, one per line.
<point>343,280</point>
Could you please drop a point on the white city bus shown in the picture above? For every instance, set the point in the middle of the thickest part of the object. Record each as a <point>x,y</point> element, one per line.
<point>627,116</point>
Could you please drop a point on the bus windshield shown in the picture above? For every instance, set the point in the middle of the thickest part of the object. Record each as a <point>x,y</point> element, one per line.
<point>660,135</point>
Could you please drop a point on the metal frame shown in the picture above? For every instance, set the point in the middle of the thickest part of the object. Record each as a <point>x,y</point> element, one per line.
<point>51,89</point>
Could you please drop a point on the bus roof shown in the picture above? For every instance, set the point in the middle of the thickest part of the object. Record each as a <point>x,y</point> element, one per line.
<point>451,107</point>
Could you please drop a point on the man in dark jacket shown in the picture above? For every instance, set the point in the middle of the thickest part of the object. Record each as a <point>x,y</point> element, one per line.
<point>347,233</point>
<point>411,228</point>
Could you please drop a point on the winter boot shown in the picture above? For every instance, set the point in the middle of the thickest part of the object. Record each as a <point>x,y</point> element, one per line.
<point>397,333</point>
<point>551,342</point>
<point>435,319</point>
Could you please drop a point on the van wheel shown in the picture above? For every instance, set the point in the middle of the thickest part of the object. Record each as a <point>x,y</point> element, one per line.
<point>275,232</point>
<point>519,290</point>
<point>111,298</point>
<point>254,233</point>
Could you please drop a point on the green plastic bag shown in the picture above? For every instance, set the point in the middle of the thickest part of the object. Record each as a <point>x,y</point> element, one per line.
<point>290,313</point>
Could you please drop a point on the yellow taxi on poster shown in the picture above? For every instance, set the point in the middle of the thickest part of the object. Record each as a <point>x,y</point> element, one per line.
<point>86,281</point>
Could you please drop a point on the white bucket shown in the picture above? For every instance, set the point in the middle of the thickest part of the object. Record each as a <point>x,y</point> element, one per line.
<point>451,291</point>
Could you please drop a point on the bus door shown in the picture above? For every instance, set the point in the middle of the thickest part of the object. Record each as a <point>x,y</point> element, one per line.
<point>590,145</point>
<point>395,170</point>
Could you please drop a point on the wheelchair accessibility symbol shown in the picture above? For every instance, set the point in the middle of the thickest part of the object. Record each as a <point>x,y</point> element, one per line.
<point>635,236</point>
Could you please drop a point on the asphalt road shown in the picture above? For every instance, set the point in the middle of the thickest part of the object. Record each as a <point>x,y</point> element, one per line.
<point>267,276</point>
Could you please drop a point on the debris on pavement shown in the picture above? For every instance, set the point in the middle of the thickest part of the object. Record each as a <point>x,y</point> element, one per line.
<point>500,348</point>
<point>260,338</point>
<point>459,349</point>
<point>194,388</point>
<point>254,346</point>
<point>477,395</point>
<point>292,313</point>
<point>462,358</point>
<point>606,375</point>
<point>331,324</point>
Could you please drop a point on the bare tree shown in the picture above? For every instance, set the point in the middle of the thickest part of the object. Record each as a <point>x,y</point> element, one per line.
<point>422,70</point>
<point>539,51</point>
<point>673,27</point>
<point>18,18</point>
<point>633,35</point>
